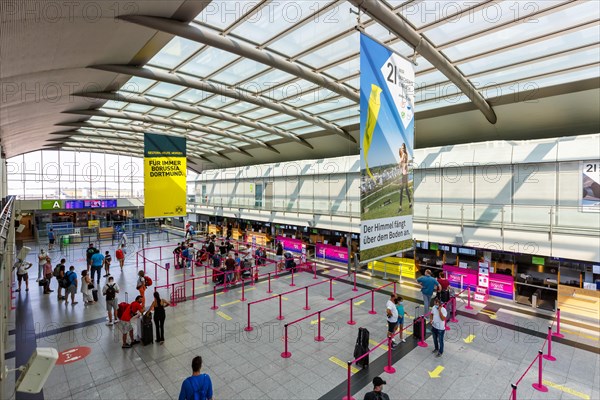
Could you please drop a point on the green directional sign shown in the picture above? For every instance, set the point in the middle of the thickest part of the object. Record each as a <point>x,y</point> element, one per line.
<point>52,204</point>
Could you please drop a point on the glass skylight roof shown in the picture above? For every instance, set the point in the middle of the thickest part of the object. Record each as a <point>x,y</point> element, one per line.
<point>493,44</point>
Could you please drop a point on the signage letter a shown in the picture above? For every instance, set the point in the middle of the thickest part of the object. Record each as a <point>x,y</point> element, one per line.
<point>56,204</point>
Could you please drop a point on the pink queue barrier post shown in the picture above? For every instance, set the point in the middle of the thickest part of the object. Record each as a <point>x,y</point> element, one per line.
<point>539,386</point>
<point>468,306</point>
<point>372,312</point>
<point>155,273</point>
<point>422,342</point>
<point>446,327</point>
<point>389,368</point>
<point>349,379</point>
<point>253,275</point>
<point>549,356</point>
<point>173,296</point>
<point>276,271</point>
<point>243,292</point>
<point>280,317</point>
<point>557,333</point>
<point>269,289</point>
<point>292,284</point>
<point>514,391</point>
<point>205,275</point>
<point>319,338</point>
<point>354,289</point>
<point>193,289</point>
<point>306,307</point>
<point>394,287</point>
<point>249,327</point>
<point>315,270</point>
<point>453,318</point>
<point>215,306</point>
<point>330,298</point>
<point>351,321</point>
<point>286,353</point>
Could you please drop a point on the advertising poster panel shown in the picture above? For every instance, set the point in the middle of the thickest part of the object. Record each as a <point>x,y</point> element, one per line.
<point>387,139</point>
<point>590,184</point>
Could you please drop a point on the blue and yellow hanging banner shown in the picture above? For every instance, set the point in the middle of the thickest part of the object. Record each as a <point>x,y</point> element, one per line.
<point>164,176</point>
<point>386,136</point>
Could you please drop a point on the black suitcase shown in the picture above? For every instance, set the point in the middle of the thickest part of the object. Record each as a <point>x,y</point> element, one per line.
<point>95,294</point>
<point>147,331</point>
<point>362,347</point>
<point>417,323</point>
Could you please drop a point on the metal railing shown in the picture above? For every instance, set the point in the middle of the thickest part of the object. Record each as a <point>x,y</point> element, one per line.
<point>7,242</point>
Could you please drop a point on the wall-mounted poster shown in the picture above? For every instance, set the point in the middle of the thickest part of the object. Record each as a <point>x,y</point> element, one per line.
<point>386,137</point>
<point>590,184</point>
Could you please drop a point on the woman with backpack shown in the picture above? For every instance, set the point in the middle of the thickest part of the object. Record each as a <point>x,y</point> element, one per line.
<point>158,306</point>
<point>110,291</point>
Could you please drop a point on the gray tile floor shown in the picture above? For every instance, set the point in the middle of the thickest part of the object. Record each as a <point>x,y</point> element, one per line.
<point>248,365</point>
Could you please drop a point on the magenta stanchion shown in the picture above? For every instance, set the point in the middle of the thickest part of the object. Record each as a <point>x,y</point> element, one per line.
<point>319,338</point>
<point>468,307</point>
<point>446,327</point>
<point>173,296</point>
<point>193,289</point>
<point>422,342</point>
<point>394,287</point>
<point>330,298</point>
<point>269,289</point>
<point>315,270</point>
<point>276,271</point>
<point>225,282</point>
<point>354,289</point>
<point>243,297</point>
<point>539,386</point>
<point>205,275</point>
<point>348,396</point>
<point>215,306</point>
<point>372,312</point>
<point>292,284</point>
<point>306,307</point>
<point>351,321</point>
<point>155,274</point>
<point>253,275</point>
<point>549,356</point>
<point>249,327</point>
<point>514,391</point>
<point>280,316</point>
<point>286,353</point>
<point>453,318</point>
<point>557,333</point>
<point>389,368</point>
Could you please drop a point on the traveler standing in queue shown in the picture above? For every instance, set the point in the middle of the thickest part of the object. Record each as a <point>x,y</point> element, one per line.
<point>279,256</point>
<point>438,326</point>
<point>22,274</point>
<point>230,268</point>
<point>197,386</point>
<point>97,262</point>
<point>41,261</point>
<point>428,285</point>
<point>87,285</point>
<point>399,301</point>
<point>120,254</point>
<point>47,276</point>
<point>392,317</point>
<point>158,306</point>
<point>51,239</point>
<point>377,393</point>
<point>443,292</point>
<point>70,285</point>
<point>59,274</point>
<point>107,261</point>
<point>110,292</point>
<point>91,250</point>
<point>141,286</point>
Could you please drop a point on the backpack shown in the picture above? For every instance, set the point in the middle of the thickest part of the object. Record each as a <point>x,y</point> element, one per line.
<point>147,281</point>
<point>56,272</point>
<point>67,280</point>
<point>110,292</point>
<point>122,309</point>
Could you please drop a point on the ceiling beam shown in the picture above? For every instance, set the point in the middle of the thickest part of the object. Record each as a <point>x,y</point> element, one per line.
<point>141,130</point>
<point>404,31</point>
<point>174,123</point>
<point>199,84</point>
<point>154,102</point>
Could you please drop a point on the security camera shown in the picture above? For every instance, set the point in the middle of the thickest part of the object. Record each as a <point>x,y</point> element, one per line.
<point>37,370</point>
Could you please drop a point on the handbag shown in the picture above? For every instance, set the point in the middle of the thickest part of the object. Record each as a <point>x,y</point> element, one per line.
<point>90,285</point>
<point>42,282</point>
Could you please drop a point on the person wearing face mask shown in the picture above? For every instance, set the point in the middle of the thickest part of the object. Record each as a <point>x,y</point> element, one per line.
<point>400,324</point>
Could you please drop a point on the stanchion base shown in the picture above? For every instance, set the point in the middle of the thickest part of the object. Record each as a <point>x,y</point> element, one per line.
<point>193,298</point>
<point>453,320</point>
<point>243,299</point>
<point>286,354</point>
<point>422,344</point>
<point>292,284</point>
<point>314,277</point>
<point>319,338</point>
<point>348,398</point>
<point>389,369</point>
<point>330,299</point>
<point>558,335</point>
<point>355,290</point>
<point>372,312</point>
<point>248,329</point>
<point>468,308</point>
<point>549,357</point>
<point>306,308</point>
<point>269,291</point>
<point>280,318</point>
<point>214,308</point>
<point>540,388</point>
<point>351,322</point>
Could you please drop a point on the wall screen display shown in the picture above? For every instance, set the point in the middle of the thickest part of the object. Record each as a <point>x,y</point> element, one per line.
<point>82,204</point>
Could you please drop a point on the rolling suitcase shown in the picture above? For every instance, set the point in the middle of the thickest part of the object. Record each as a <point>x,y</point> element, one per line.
<point>147,331</point>
<point>417,322</point>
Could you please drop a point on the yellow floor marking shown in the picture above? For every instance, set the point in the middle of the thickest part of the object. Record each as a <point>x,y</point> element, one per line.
<point>566,390</point>
<point>230,303</point>
<point>436,372</point>
<point>325,271</point>
<point>282,297</point>
<point>358,303</point>
<point>583,335</point>
<point>314,322</point>
<point>342,364</point>
<point>469,339</point>
<point>374,343</point>
<point>223,315</point>
<point>247,290</point>
<point>490,314</point>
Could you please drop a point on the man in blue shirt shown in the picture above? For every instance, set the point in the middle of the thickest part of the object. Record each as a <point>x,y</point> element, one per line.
<point>197,383</point>
<point>428,285</point>
<point>97,260</point>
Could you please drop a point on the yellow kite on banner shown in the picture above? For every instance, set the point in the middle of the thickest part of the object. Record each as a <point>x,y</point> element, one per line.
<point>372,114</point>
